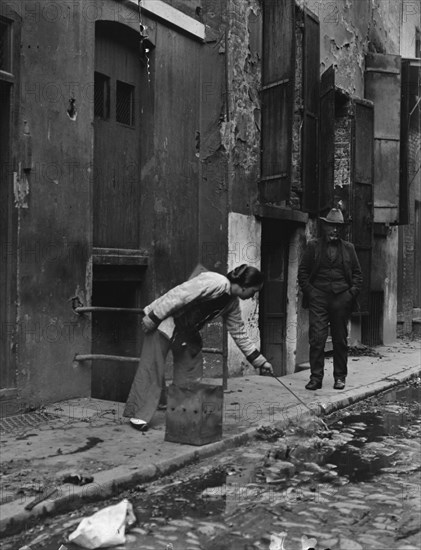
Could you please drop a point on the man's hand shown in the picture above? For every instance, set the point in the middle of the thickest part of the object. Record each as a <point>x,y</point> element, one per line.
<point>266,369</point>
<point>148,325</point>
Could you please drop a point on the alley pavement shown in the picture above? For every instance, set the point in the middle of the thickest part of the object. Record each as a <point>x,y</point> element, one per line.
<point>46,453</point>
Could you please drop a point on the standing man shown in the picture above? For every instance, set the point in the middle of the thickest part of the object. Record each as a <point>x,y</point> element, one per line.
<point>330,277</point>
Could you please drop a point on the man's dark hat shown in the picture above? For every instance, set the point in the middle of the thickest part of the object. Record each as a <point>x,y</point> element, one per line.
<point>335,217</point>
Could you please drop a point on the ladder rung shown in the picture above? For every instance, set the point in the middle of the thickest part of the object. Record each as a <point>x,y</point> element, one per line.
<point>93,309</point>
<point>99,356</point>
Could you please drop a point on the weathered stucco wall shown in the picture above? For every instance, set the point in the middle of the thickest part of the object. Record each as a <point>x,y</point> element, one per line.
<point>296,343</point>
<point>241,129</point>
<point>390,258</point>
<point>297,121</point>
<point>244,237</point>
<point>349,29</point>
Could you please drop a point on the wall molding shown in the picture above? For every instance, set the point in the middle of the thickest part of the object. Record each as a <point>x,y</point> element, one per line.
<point>165,12</point>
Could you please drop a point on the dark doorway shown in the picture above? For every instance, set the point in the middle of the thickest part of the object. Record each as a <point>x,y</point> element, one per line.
<point>275,248</point>
<point>119,79</point>
<point>114,334</point>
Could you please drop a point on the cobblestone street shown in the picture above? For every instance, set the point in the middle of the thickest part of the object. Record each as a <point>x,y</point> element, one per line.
<point>355,487</point>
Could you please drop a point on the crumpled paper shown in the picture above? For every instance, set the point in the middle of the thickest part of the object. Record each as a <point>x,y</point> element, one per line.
<point>105,528</point>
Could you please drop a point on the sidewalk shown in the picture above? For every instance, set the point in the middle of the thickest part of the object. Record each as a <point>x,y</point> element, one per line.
<point>91,437</point>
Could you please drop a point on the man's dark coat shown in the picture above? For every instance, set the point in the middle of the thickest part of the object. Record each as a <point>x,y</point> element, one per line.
<point>310,263</point>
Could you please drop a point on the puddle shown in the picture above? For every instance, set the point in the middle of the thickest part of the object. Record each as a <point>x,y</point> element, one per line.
<point>363,441</point>
<point>92,442</point>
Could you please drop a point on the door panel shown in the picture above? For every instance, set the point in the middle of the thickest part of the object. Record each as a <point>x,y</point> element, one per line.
<point>117,189</point>
<point>273,296</point>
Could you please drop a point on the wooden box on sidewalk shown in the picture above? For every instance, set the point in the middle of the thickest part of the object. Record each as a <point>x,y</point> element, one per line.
<point>194,414</point>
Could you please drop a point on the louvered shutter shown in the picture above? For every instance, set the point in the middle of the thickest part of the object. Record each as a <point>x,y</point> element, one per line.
<point>362,192</point>
<point>277,99</point>
<point>327,140</point>
<point>383,88</point>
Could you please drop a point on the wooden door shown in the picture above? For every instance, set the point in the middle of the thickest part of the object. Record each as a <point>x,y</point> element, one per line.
<point>275,246</point>
<point>117,151</point>
<point>117,204</point>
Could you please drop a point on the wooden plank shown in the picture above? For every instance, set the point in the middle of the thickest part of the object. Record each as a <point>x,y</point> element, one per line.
<point>279,213</point>
<point>168,14</point>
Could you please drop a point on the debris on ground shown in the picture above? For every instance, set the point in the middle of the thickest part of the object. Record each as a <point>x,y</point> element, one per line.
<point>268,433</point>
<point>360,350</point>
<point>77,479</point>
<point>107,527</point>
<point>45,495</point>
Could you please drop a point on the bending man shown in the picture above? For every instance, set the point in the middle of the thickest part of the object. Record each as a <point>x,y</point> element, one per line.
<point>175,319</point>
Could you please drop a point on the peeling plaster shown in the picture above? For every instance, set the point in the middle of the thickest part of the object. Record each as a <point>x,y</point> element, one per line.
<point>358,27</point>
<point>20,188</point>
<point>244,237</point>
<point>244,75</point>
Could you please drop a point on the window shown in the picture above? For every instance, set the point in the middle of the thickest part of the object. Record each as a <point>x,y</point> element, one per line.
<point>101,96</point>
<point>125,103</point>
<point>5,50</point>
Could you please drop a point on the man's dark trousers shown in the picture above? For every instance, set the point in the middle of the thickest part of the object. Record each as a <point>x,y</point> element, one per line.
<point>335,309</point>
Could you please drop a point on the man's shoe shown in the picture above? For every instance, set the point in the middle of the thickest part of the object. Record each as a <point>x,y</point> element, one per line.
<point>313,385</point>
<point>339,385</point>
<point>139,424</point>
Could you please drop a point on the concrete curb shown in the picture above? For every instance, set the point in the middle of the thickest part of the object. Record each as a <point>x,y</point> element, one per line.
<point>107,483</point>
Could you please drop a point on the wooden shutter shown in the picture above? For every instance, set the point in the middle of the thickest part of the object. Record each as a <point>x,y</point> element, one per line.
<point>327,140</point>
<point>311,110</point>
<point>383,87</point>
<point>277,99</point>
<point>362,192</point>
<point>410,90</point>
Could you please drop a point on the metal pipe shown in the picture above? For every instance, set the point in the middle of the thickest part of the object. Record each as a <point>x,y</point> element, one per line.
<point>93,309</point>
<point>96,356</point>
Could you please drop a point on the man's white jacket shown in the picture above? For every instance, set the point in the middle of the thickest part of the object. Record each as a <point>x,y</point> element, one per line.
<point>204,287</point>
